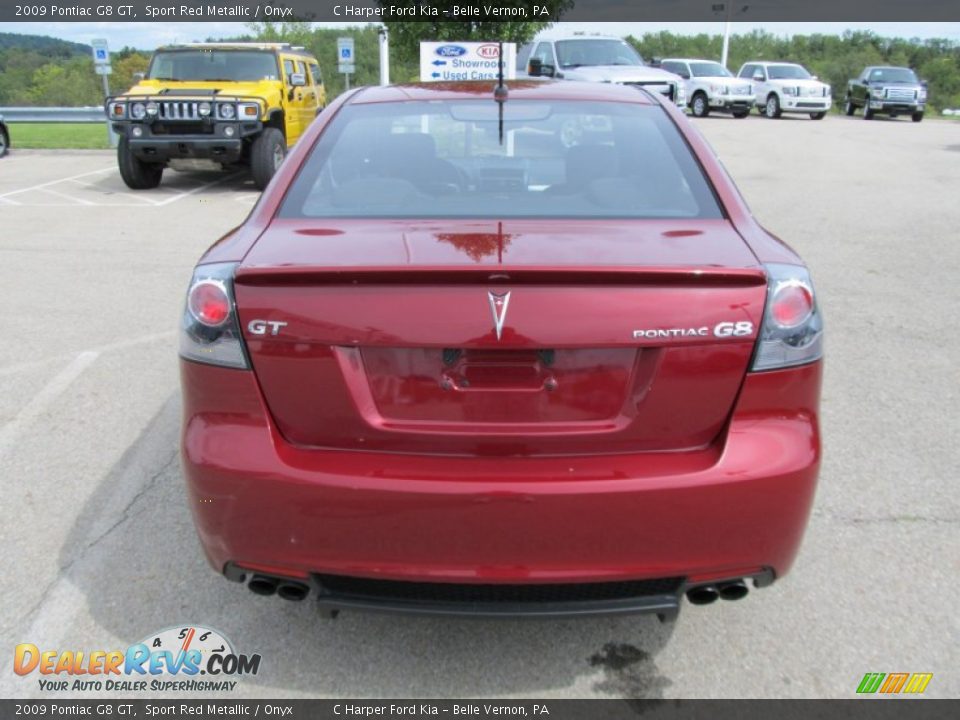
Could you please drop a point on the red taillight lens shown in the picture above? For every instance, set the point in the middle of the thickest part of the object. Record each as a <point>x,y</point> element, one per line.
<point>792,305</point>
<point>209,303</point>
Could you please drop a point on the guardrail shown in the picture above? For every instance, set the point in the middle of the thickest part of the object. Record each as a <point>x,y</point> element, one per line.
<point>53,114</point>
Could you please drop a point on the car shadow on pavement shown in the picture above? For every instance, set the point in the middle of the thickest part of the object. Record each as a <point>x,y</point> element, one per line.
<point>134,556</point>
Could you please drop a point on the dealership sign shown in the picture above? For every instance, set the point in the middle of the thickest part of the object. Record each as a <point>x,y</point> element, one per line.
<point>446,61</point>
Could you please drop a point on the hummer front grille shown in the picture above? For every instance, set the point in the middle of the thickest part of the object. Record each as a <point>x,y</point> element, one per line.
<point>179,110</point>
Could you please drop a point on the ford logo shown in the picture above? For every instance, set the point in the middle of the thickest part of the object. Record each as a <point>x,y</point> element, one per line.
<point>450,51</point>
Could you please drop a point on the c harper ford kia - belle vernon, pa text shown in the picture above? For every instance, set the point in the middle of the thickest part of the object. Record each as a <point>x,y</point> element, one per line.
<point>453,363</point>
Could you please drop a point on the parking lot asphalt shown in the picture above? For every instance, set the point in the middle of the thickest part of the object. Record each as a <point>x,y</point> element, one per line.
<point>100,549</point>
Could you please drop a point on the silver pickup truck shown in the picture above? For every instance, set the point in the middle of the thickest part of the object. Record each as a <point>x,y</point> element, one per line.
<point>594,58</point>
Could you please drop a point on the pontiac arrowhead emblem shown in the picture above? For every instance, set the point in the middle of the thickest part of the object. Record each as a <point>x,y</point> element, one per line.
<point>498,306</point>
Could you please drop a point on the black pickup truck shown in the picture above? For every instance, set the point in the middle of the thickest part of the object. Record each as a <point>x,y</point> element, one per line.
<point>889,90</point>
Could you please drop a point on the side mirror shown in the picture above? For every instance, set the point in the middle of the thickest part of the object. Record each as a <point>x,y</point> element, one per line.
<point>138,77</point>
<point>758,76</point>
<point>684,74</point>
<point>537,68</point>
<point>298,80</point>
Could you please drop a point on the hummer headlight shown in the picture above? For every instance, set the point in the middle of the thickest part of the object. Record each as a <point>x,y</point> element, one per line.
<point>226,111</point>
<point>204,109</point>
<point>138,111</point>
<point>152,109</point>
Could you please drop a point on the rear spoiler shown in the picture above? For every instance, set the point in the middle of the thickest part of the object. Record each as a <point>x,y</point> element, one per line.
<point>706,276</point>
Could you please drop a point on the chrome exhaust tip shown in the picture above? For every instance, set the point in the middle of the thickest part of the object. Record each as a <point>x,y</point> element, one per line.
<point>702,595</point>
<point>292,591</point>
<point>736,590</point>
<point>262,585</point>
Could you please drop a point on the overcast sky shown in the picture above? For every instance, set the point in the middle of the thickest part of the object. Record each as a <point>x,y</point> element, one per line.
<point>147,36</point>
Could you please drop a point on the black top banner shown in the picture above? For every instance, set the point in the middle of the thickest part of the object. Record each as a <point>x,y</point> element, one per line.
<point>365,11</point>
<point>480,709</point>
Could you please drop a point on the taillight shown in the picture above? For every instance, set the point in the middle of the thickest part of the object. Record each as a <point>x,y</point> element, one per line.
<point>792,332</point>
<point>209,302</point>
<point>209,332</point>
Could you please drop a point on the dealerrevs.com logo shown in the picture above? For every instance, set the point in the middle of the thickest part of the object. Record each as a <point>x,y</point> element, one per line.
<point>184,658</point>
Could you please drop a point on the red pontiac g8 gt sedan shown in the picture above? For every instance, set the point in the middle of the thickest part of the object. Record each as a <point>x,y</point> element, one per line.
<point>501,355</point>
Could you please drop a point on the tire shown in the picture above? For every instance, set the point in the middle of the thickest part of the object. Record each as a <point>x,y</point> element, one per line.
<point>916,117</point>
<point>772,107</point>
<point>137,174</point>
<point>867,112</point>
<point>4,143</point>
<point>818,116</point>
<point>699,105</point>
<point>849,108</point>
<point>266,155</point>
<point>740,114</point>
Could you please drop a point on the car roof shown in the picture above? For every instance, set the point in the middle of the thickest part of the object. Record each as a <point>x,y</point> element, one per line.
<point>689,60</point>
<point>526,89</point>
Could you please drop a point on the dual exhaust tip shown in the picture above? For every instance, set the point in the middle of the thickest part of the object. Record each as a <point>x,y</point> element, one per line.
<point>287,589</point>
<point>296,591</point>
<point>706,594</point>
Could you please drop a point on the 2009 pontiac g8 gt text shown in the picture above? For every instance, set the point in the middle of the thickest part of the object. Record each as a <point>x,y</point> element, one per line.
<point>523,355</point>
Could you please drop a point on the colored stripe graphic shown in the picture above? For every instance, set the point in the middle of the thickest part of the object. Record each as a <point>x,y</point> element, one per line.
<point>894,683</point>
<point>870,683</point>
<point>918,682</point>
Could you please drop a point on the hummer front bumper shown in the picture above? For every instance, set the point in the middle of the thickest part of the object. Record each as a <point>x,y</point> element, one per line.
<point>221,142</point>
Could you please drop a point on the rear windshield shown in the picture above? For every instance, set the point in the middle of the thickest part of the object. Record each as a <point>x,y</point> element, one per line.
<point>446,160</point>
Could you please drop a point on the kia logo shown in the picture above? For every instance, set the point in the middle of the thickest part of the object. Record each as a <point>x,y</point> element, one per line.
<point>450,51</point>
<point>488,51</point>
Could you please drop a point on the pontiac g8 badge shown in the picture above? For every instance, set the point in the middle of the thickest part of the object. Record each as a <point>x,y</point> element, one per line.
<point>498,306</point>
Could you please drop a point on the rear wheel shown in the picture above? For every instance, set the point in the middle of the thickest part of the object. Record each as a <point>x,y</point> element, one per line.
<point>818,116</point>
<point>772,108</point>
<point>266,155</point>
<point>916,117</point>
<point>137,175</point>
<point>700,106</point>
<point>849,108</point>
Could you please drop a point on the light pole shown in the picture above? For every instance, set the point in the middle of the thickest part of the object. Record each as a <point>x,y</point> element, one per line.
<point>727,9</point>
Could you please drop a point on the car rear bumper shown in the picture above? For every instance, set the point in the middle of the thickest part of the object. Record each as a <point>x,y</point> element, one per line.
<point>736,509</point>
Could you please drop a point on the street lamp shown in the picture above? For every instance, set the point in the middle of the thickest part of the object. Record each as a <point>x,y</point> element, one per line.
<point>727,8</point>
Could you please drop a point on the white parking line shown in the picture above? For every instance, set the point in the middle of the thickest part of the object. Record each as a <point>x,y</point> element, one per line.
<point>40,401</point>
<point>99,350</point>
<point>53,182</point>
<point>168,195</point>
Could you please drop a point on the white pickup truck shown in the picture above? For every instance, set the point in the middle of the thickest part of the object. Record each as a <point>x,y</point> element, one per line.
<point>595,58</point>
<point>711,87</point>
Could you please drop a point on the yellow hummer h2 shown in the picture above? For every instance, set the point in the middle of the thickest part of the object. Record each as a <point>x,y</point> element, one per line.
<point>216,104</point>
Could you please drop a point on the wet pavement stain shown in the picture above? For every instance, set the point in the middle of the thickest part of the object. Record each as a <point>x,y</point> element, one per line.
<point>630,673</point>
